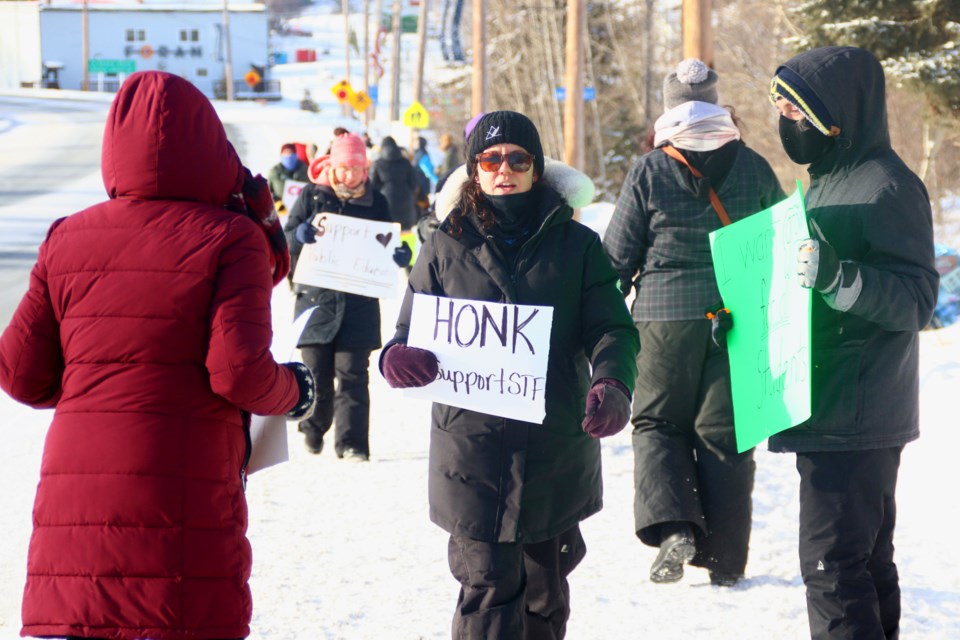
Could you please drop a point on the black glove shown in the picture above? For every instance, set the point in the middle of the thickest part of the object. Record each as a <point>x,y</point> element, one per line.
<point>402,255</point>
<point>625,286</point>
<point>306,233</point>
<point>308,391</point>
<point>818,266</point>
<point>721,321</point>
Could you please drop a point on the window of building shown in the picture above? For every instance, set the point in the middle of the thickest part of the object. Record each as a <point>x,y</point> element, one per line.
<point>141,35</point>
<point>201,73</point>
<point>194,35</point>
<point>136,35</point>
<point>130,35</point>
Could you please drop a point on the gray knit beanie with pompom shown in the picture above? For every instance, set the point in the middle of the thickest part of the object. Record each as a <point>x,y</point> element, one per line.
<point>693,80</point>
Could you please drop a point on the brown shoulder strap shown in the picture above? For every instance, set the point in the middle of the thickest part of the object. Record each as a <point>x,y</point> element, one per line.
<point>714,198</point>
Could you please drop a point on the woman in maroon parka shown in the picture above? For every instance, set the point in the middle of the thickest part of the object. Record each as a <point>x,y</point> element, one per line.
<point>147,326</point>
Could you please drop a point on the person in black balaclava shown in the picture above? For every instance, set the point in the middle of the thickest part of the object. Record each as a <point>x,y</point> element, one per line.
<point>870,264</point>
<point>512,493</point>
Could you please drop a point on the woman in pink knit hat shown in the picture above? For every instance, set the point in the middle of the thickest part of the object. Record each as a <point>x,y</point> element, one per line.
<point>344,328</point>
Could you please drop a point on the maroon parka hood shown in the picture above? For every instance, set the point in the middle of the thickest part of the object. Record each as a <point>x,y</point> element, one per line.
<point>164,141</point>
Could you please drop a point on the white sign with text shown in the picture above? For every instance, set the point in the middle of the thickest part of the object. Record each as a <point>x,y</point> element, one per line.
<point>493,357</point>
<point>291,191</point>
<point>268,434</point>
<point>352,255</point>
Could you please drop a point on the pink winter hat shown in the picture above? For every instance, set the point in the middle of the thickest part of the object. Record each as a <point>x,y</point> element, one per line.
<point>348,150</point>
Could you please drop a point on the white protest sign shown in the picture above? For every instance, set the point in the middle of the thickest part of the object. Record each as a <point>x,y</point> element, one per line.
<point>493,357</point>
<point>352,255</point>
<point>268,434</point>
<point>291,191</point>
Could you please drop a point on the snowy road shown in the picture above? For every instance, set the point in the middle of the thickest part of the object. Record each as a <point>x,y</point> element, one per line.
<point>346,551</point>
<point>42,177</point>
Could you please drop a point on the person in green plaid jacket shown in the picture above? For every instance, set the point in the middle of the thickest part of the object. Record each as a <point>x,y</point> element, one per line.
<point>692,489</point>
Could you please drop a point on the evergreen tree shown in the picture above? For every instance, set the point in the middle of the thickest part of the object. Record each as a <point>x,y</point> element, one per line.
<point>918,41</point>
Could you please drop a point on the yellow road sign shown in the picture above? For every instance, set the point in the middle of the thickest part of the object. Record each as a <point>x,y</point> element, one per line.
<point>343,91</point>
<point>361,101</point>
<point>416,117</point>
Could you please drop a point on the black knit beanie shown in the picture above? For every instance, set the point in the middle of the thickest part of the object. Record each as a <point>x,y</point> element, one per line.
<point>505,127</point>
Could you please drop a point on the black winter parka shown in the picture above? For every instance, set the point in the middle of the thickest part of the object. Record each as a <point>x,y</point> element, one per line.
<point>876,213</point>
<point>352,320</point>
<point>398,180</point>
<point>501,480</point>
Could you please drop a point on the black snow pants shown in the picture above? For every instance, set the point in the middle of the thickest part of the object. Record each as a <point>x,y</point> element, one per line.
<point>349,405</point>
<point>514,591</point>
<point>686,465</point>
<point>848,512</point>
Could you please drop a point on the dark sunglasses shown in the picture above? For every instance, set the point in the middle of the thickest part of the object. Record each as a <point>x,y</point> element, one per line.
<point>519,161</point>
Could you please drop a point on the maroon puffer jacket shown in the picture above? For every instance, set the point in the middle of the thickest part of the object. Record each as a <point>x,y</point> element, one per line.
<point>147,325</point>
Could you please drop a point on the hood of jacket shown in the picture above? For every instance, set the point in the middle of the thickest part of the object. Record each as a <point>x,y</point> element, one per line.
<point>575,187</point>
<point>849,81</point>
<point>163,140</point>
<point>390,150</point>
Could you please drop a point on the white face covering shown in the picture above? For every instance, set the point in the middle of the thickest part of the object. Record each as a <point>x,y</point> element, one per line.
<point>697,126</point>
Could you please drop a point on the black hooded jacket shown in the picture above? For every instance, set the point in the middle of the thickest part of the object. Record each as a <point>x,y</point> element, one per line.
<point>398,180</point>
<point>502,480</point>
<point>876,213</point>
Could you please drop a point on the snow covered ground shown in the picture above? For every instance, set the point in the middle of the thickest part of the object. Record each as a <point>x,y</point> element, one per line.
<point>346,551</point>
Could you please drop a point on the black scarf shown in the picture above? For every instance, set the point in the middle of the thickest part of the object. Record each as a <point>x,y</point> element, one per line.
<point>514,221</point>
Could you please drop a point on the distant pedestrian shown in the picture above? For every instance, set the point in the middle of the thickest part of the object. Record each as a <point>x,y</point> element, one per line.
<point>422,159</point>
<point>451,157</point>
<point>344,328</point>
<point>146,326</point>
<point>398,181</point>
<point>693,490</point>
<point>870,262</point>
<point>290,167</point>
<point>511,493</point>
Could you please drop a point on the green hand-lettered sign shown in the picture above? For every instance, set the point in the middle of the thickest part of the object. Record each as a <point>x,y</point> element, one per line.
<point>769,346</point>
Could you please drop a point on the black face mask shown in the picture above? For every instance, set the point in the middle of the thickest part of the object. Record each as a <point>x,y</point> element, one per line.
<point>802,141</point>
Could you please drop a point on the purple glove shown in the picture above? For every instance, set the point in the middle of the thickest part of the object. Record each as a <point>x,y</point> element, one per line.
<point>405,367</point>
<point>608,408</point>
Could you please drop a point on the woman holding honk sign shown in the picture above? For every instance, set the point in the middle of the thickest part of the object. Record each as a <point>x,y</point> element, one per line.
<point>511,493</point>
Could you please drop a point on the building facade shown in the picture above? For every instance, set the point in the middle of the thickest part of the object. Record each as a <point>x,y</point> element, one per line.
<point>184,39</point>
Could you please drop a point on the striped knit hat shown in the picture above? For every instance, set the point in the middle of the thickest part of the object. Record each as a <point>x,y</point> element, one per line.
<point>789,85</point>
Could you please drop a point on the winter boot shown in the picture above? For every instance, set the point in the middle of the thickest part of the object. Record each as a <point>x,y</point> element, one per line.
<point>724,579</point>
<point>313,438</point>
<point>677,547</point>
<point>354,455</point>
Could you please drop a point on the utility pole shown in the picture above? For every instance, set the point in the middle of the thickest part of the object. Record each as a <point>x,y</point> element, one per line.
<point>648,63</point>
<point>421,51</point>
<point>478,96</point>
<point>85,29</point>
<point>228,55</point>
<point>366,59</point>
<point>697,30</point>
<point>345,9</point>
<point>395,68</point>
<point>573,102</point>
<point>378,12</point>
<point>418,70</point>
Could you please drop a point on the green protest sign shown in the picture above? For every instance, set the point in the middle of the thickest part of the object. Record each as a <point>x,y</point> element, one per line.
<point>755,260</point>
